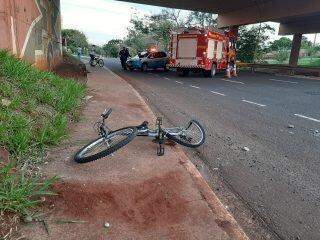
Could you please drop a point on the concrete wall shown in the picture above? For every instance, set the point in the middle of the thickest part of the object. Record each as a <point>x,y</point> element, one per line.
<point>31,29</point>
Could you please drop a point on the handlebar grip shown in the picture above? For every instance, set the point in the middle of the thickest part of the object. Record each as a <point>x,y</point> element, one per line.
<point>106,113</point>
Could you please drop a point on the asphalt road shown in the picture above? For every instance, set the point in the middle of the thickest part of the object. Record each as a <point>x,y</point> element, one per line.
<point>276,117</point>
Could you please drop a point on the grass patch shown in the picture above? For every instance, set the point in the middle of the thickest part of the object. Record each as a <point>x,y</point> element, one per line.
<point>35,110</point>
<point>20,192</point>
<point>41,104</point>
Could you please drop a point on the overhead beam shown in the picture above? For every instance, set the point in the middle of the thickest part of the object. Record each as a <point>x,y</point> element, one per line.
<point>306,25</point>
<point>272,10</point>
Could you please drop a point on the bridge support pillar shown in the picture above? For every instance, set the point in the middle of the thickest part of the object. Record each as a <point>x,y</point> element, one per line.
<point>295,49</point>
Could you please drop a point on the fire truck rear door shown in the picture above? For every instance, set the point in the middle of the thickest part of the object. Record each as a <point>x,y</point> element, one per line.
<point>219,50</point>
<point>211,49</point>
<point>187,48</point>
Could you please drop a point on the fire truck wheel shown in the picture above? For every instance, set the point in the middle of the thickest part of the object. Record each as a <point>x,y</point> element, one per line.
<point>185,72</point>
<point>144,67</point>
<point>213,70</point>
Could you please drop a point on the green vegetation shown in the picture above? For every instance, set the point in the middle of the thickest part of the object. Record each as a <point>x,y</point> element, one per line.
<point>75,39</point>
<point>252,42</point>
<point>156,29</point>
<point>35,109</point>
<point>280,44</point>
<point>112,48</point>
<point>19,191</point>
<point>39,105</point>
<point>282,55</point>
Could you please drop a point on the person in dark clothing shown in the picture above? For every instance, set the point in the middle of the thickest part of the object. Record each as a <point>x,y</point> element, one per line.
<point>124,54</point>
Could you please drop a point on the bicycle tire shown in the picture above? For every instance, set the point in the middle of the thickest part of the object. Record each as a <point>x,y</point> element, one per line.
<point>180,140</point>
<point>93,63</point>
<point>101,63</point>
<point>80,158</point>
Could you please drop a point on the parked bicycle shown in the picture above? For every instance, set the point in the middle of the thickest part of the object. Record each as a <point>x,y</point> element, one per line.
<point>192,135</point>
<point>94,60</point>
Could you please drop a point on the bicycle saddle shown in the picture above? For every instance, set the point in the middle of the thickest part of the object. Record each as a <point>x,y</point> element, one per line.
<point>143,125</point>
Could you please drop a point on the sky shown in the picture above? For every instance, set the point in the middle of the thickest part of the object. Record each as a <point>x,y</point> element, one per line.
<point>103,20</point>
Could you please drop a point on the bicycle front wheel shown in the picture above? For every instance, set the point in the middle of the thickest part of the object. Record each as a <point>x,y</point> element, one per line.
<point>101,63</point>
<point>104,146</point>
<point>192,135</point>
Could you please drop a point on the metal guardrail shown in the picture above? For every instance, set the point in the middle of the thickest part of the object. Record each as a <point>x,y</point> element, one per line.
<point>314,71</point>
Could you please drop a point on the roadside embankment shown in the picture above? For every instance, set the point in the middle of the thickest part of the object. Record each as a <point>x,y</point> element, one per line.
<point>36,109</point>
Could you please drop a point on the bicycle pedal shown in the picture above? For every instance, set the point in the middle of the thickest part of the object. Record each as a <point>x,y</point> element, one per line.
<point>160,150</point>
<point>159,121</point>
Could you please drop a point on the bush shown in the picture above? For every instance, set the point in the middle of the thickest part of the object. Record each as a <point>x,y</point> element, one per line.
<point>282,55</point>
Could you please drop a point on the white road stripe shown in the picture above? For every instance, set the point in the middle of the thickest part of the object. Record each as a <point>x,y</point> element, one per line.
<point>232,81</point>
<point>167,78</point>
<point>221,94</point>
<point>309,118</point>
<point>194,86</point>
<point>258,104</point>
<point>277,80</point>
<point>179,82</point>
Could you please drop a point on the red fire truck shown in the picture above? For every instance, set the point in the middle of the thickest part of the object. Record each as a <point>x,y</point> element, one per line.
<point>200,50</point>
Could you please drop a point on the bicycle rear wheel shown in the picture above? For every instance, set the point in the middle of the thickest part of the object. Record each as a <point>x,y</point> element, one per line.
<point>192,135</point>
<point>93,62</point>
<point>104,146</point>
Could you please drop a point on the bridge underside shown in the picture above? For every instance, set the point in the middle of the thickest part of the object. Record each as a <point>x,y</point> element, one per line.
<point>295,16</point>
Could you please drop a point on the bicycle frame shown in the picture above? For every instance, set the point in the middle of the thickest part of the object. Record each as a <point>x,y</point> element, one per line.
<point>158,134</point>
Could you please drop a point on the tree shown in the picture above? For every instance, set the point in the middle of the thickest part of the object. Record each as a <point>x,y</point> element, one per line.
<point>153,30</point>
<point>280,44</point>
<point>112,48</point>
<point>252,42</point>
<point>201,19</point>
<point>157,28</point>
<point>75,39</point>
<point>305,43</point>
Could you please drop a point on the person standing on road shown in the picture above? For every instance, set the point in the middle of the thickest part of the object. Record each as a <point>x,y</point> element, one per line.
<point>79,52</point>
<point>232,68</point>
<point>124,55</point>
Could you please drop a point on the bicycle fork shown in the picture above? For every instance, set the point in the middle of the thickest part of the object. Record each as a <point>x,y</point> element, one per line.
<point>160,138</point>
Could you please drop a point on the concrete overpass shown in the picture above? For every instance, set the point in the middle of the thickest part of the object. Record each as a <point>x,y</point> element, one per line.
<point>31,29</point>
<point>296,17</point>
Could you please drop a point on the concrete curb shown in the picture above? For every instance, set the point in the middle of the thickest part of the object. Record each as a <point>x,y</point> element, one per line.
<point>225,220</point>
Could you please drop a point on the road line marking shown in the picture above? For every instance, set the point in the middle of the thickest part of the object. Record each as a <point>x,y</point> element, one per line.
<point>258,104</point>
<point>194,86</point>
<point>277,80</point>
<point>167,78</point>
<point>232,81</point>
<point>309,118</point>
<point>221,94</point>
<point>179,82</point>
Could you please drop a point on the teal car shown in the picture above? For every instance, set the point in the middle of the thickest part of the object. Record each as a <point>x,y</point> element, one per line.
<point>148,60</point>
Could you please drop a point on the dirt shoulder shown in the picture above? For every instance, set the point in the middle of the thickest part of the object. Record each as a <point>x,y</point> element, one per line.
<point>133,194</point>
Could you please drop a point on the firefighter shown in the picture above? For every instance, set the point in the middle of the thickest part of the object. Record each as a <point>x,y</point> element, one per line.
<point>232,68</point>
<point>124,55</point>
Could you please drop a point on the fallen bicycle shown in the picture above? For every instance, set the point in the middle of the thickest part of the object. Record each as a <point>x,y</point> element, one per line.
<point>192,135</point>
